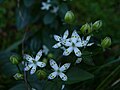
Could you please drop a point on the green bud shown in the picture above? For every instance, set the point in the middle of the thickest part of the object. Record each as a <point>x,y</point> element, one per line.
<point>69,17</point>
<point>97,25</point>
<point>50,55</point>
<point>106,42</point>
<point>18,76</point>
<point>15,59</point>
<point>86,29</point>
<point>41,74</point>
<point>45,60</point>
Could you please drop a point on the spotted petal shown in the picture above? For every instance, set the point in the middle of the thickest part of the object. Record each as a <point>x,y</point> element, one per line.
<point>38,56</point>
<point>28,67</point>
<point>66,33</point>
<point>57,45</point>
<point>52,75</point>
<point>64,67</point>
<point>53,64</point>
<point>41,64</point>
<point>28,58</point>
<point>57,38</point>
<point>63,76</point>
<point>67,43</point>
<point>77,52</point>
<point>88,38</point>
<point>78,60</point>
<point>33,69</point>
<point>78,44</point>
<point>74,36</point>
<point>68,51</point>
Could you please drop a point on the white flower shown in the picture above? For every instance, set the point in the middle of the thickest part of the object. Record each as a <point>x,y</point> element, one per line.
<point>55,9</point>
<point>73,43</point>
<point>45,6</point>
<point>85,42</point>
<point>78,60</point>
<point>60,40</point>
<point>45,50</point>
<point>33,62</point>
<point>58,71</point>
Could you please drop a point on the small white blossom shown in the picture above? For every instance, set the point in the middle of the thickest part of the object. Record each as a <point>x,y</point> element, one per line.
<point>45,6</point>
<point>33,62</point>
<point>85,42</point>
<point>78,60</point>
<point>45,50</point>
<point>73,43</point>
<point>60,40</point>
<point>58,71</point>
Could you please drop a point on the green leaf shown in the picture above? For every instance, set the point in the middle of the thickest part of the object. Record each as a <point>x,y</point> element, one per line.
<point>76,75</point>
<point>52,86</point>
<point>22,17</point>
<point>49,18</point>
<point>28,3</point>
<point>18,87</point>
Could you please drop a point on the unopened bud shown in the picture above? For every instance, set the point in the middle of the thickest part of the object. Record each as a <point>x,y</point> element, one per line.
<point>69,17</point>
<point>18,76</point>
<point>14,59</point>
<point>106,42</point>
<point>41,74</point>
<point>45,60</point>
<point>86,29</point>
<point>50,55</point>
<point>97,25</point>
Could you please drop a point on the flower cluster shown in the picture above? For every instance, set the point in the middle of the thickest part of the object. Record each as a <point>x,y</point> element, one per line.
<point>72,44</point>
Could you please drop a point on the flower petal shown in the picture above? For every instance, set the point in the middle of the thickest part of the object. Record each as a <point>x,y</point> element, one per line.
<point>53,64</point>
<point>45,50</point>
<point>67,42</point>
<point>33,69</point>
<point>68,51</point>
<point>28,58</point>
<point>90,44</point>
<point>74,36</point>
<point>57,45</point>
<point>52,75</point>
<point>38,56</point>
<point>28,67</point>
<point>57,38</point>
<point>88,38</point>
<point>78,60</point>
<point>64,67</point>
<point>63,76</point>
<point>77,52</point>
<point>41,64</point>
<point>78,44</point>
<point>65,35</point>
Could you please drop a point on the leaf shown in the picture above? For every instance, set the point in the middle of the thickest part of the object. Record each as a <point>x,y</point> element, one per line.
<point>28,3</point>
<point>22,17</point>
<point>49,18</point>
<point>76,75</point>
<point>18,87</point>
<point>52,86</point>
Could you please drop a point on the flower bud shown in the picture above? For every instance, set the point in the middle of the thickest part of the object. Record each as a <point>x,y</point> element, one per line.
<point>18,76</point>
<point>41,74</point>
<point>86,29</point>
<point>50,55</point>
<point>106,42</point>
<point>45,60</point>
<point>14,59</point>
<point>97,25</point>
<point>69,17</point>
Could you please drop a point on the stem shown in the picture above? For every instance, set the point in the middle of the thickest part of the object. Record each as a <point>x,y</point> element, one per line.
<point>19,69</point>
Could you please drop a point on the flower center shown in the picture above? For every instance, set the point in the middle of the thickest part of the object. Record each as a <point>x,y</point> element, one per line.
<point>34,62</point>
<point>73,44</point>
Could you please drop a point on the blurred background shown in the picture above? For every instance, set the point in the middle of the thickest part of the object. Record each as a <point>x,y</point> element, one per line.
<point>38,24</point>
